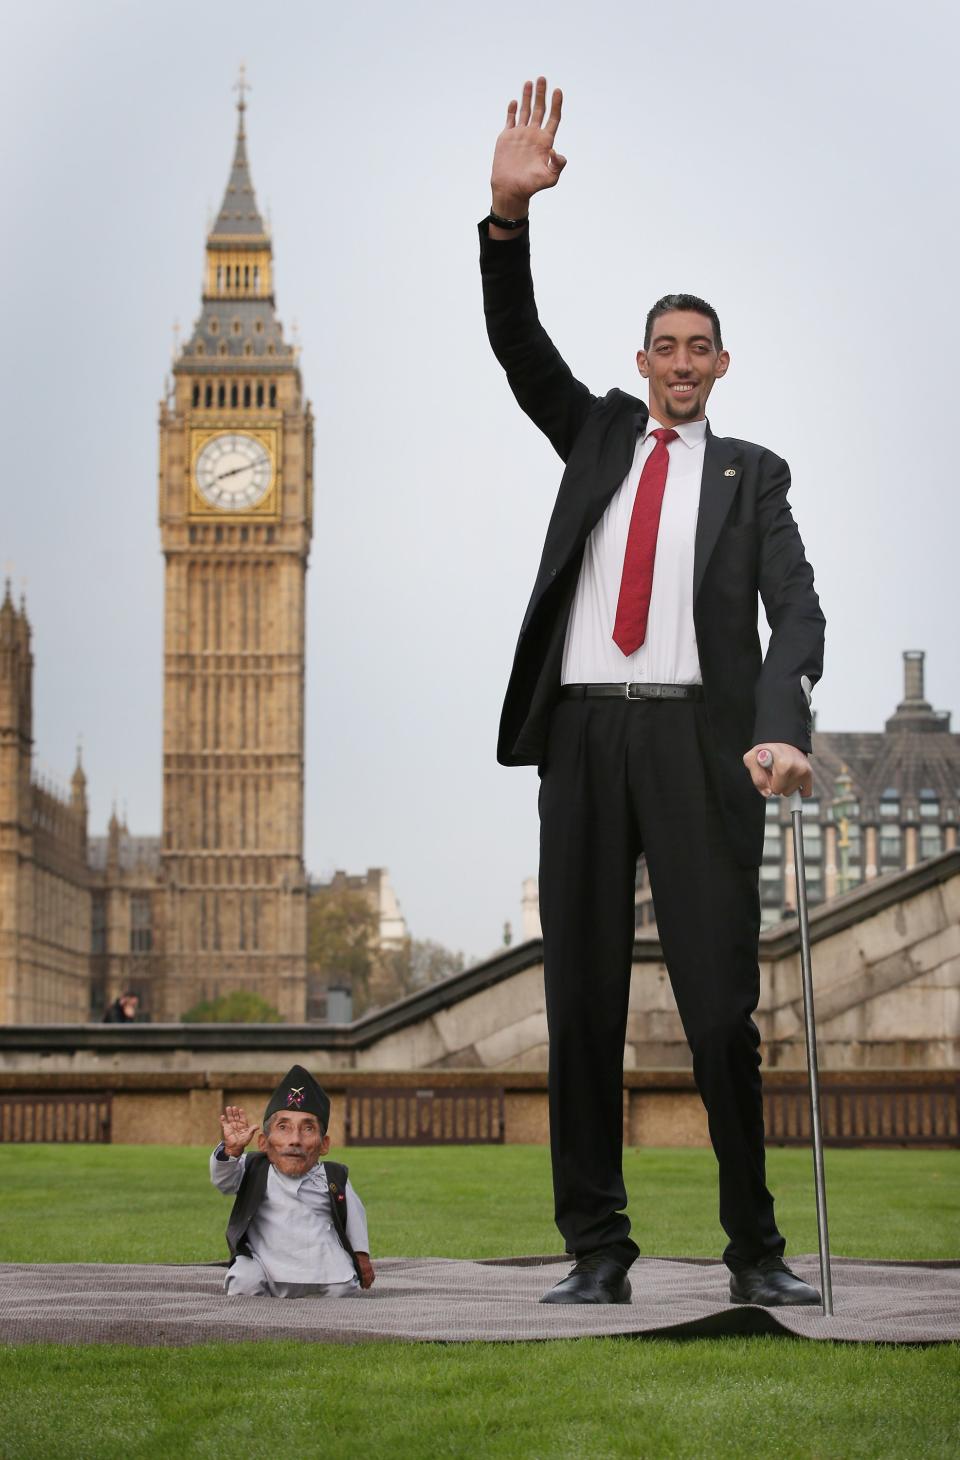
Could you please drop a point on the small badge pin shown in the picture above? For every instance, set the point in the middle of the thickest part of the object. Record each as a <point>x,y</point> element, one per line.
<point>731,471</point>
<point>295,1095</point>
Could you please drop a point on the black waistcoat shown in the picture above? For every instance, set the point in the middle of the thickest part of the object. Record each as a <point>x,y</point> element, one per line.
<point>250,1194</point>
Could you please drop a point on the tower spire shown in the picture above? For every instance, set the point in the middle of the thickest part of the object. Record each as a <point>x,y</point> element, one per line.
<point>239,217</point>
<point>241,86</point>
<point>238,318</point>
<point>78,781</point>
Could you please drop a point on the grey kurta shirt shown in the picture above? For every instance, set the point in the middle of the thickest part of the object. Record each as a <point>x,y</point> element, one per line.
<point>292,1234</point>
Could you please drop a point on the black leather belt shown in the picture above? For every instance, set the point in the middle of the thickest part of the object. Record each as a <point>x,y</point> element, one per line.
<point>632,691</point>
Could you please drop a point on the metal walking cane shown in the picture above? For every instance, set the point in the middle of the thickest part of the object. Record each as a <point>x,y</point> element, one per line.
<point>765,759</point>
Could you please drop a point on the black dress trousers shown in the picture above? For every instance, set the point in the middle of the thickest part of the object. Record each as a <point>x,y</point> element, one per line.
<point>620,778</point>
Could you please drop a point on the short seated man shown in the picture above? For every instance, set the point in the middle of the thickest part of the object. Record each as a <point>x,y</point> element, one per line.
<point>297,1228</point>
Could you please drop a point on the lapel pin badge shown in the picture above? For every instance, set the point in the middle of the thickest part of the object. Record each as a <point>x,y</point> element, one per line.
<point>731,471</point>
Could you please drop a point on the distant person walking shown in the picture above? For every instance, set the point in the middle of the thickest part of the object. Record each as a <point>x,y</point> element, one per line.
<point>123,1010</point>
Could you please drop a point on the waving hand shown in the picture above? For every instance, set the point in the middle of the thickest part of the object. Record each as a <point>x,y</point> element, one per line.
<point>237,1130</point>
<point>525,160</point>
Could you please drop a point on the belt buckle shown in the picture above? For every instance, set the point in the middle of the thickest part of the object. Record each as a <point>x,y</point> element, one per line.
<point>646,691</point>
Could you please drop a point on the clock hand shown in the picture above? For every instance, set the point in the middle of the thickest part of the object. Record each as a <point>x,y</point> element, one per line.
<point>249,466</point>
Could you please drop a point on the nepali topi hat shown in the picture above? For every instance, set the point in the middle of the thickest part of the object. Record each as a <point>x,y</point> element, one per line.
<point>299,1091</point>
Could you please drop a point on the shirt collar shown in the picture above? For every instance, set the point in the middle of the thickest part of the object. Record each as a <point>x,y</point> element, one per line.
<point>691,433</point>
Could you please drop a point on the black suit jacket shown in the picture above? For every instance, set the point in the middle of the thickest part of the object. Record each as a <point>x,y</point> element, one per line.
<point>747,544</point>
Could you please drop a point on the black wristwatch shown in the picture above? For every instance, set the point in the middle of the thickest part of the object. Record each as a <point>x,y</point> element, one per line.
<point>508,223</point>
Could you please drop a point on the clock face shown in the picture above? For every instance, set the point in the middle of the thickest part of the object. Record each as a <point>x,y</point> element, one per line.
<point>234,472</point>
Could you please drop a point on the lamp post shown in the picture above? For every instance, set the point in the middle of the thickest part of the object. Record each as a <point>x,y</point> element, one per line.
<point>843,801</point>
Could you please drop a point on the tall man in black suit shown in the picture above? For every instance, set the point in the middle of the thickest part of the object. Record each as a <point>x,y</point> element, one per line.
<point>644,699</point>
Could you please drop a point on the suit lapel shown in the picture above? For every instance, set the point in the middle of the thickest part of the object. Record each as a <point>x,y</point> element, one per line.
<point>718,487</point>
<point>619,453</point>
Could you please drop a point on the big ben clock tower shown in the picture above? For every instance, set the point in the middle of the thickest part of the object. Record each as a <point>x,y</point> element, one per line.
<point>236,448</point>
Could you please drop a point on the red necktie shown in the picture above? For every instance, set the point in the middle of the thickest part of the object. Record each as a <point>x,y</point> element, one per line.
<point>636,583</point>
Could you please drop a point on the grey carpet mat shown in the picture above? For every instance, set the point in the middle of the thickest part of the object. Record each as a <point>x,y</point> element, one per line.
<point>444,1300</point>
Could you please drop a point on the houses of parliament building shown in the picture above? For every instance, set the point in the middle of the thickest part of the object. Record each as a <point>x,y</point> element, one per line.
<point>217,902</point>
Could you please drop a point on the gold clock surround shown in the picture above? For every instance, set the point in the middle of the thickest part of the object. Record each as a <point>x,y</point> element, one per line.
<point>268,437</point>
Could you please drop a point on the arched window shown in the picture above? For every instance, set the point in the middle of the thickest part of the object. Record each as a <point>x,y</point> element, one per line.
<point>273,395</point>
<point>233,395</point>
<point>246,394</point>
<point>219,277</point>
<point>246,276</point>
<point>260,395</point>
<point>208,395</point>
<point>196,395</point>
<point>228,276</point>
<point>256,278</point>
<point>221,395</point>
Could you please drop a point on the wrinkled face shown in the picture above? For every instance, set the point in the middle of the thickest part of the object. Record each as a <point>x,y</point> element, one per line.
<point>294,1142</point>
<point>681,365</point>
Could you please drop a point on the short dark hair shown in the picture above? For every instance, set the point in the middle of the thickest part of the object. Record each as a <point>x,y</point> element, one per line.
<point>689,302</point>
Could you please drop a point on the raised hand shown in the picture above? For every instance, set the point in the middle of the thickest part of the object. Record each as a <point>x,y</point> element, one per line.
<point>237,1131</point>
<point>524,160</point>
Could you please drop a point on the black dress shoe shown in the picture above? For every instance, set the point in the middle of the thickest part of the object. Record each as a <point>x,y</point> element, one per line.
<point>592,1279</point>
<point>770,1284</point>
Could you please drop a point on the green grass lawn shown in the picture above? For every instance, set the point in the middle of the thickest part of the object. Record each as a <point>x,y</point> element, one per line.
<point>590,1399</point>
<point>156,1204</point>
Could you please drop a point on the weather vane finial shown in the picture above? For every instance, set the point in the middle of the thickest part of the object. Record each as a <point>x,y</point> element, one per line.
<point>241,86</point>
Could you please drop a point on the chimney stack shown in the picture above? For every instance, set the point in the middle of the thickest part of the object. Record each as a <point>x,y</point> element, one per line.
<point>914,712</point>
<point>913,676</point>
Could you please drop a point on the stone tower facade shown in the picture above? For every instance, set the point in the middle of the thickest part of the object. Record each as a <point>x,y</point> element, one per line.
<point>44,899</point>
<point>236,450</point>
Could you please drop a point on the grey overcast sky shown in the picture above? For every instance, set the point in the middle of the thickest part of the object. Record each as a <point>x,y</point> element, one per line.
<point>793,163</point>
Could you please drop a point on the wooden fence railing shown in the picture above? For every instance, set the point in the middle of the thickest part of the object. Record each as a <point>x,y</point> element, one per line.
<point>866,1115</point>
<point>461,1116</point>
<point>61,1119</point>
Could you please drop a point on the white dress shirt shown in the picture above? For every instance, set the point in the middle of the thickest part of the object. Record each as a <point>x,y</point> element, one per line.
<point>292,1234</point>
<point>668,655</point>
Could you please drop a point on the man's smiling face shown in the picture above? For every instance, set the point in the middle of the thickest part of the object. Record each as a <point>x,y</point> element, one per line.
<point>681,364</point>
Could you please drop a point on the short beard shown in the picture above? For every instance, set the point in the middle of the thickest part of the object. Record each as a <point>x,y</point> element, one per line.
<point>678,413</point>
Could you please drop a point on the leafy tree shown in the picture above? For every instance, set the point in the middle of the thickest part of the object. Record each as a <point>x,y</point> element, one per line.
<point>343,946</point>
<point>239,1007</point>
<point>343,929</point>
<point>418,962</point>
